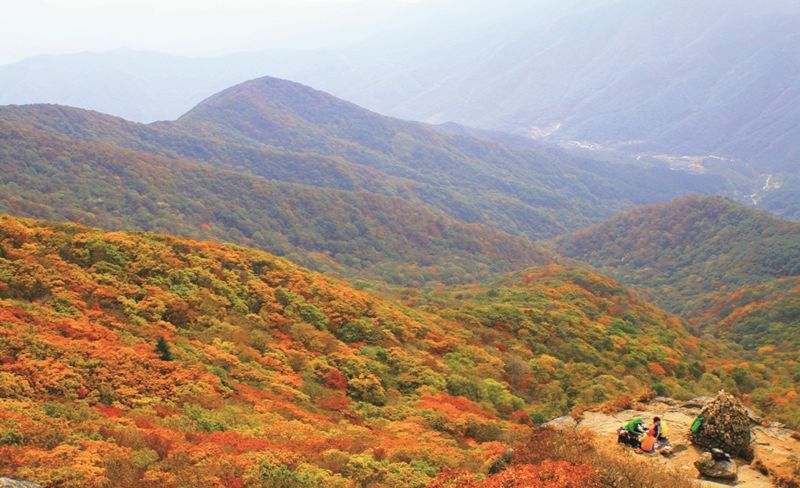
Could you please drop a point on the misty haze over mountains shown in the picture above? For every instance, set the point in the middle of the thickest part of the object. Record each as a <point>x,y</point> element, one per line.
<point>700,86</point>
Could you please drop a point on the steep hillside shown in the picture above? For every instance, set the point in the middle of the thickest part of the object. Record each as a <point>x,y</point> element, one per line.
<point>764,315</point>
<point>166,140</point>
<point>700,256</point>
<point>282,130</point>
<point>352,233</point>
<point>148,360</point>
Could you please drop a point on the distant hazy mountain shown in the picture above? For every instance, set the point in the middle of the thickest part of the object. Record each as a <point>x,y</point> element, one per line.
<point>285,131</point>
<point>663,79</point>
<point>138,86</point>
<point>680,77</point>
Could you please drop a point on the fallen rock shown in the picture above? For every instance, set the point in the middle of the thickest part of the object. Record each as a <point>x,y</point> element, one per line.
<point>561,423</point>
<point>708,466</point>
<point>725,426</point>
<point>670,451</point>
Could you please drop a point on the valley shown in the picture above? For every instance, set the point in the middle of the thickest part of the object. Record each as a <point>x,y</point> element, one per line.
<point>384,244</point>
<point>457,332</point>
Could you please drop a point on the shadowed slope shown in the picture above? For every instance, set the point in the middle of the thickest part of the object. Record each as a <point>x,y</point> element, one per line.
<point>349,232</point>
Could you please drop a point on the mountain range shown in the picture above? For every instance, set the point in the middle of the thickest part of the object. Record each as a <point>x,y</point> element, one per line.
<point>707,86</point>
<point>278,165</point>
<point>282,288</point>
<point>50,176</point>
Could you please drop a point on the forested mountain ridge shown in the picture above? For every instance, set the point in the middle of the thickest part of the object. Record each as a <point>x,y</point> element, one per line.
<point>721,74</point>
<point>725,266</point>
<point>149,360</point>
<point>352,233</point>
<point>282,130</point>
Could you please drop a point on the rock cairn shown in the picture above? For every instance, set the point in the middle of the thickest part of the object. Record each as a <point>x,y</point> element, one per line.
<point>725,426</point>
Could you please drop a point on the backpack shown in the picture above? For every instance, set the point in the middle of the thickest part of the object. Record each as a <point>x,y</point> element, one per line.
<point>664,430</point>
<point>698,422</point>
<point>648,444</point>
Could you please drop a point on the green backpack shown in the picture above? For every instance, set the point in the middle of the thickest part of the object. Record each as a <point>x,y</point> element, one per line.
<point>698,422</point>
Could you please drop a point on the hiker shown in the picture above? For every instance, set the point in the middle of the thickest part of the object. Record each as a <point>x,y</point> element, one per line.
<point>623,437</point>
<point>660,430</point>
<point>630,432</point>
<point>635,426</point>
<point>649,441</point>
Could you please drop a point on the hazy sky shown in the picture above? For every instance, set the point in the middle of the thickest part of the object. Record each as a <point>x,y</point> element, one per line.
<point>194,27</point>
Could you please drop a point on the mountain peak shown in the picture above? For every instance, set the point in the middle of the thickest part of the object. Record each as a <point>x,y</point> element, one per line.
<point>259,90</point>
<point>276,111</point>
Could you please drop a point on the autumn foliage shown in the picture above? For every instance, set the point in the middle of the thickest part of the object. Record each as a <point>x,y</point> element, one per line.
<point>152,361</point>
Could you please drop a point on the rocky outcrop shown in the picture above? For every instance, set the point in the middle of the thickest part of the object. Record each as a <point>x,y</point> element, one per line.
<point>12,483</point>
<point>666,401</point>
<point>503,462</point>
<point>725,469</point>
<point>777,452</point>
<point>697,402</point>
<point>755,418</point>
<point>726,426</point>
<point>561,423</point>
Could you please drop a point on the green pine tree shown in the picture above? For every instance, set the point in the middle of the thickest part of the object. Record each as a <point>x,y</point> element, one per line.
<point>162,348</point>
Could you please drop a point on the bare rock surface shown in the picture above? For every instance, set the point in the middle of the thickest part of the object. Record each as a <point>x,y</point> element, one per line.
<point>12,483</point>
<point>698,402</point>
<point>774,449</point>
<point>561,423</point>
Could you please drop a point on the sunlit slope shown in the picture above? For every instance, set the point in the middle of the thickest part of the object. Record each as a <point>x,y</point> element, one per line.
<point>149,360</point>
<point>689,248</point>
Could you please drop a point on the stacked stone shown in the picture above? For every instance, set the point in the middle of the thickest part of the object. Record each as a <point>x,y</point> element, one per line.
<point>726,426</point>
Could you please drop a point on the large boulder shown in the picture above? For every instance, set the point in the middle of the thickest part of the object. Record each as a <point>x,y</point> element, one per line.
<point>726,426</point>
<point>725,469</point>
